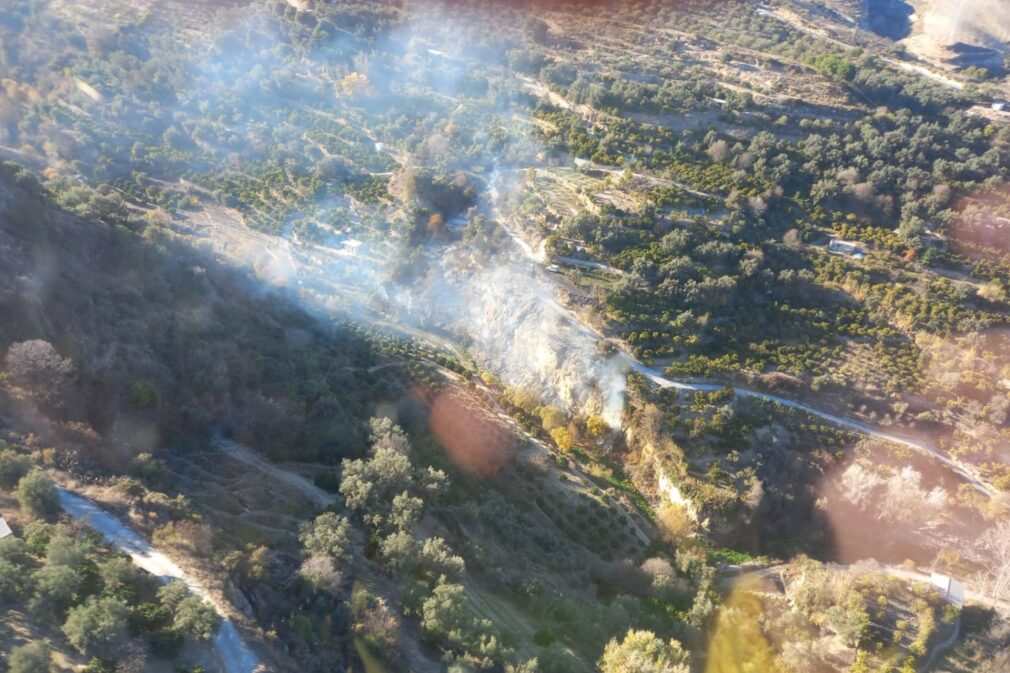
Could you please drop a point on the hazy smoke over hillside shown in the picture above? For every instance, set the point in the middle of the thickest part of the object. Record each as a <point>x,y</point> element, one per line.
<point>499,305</point>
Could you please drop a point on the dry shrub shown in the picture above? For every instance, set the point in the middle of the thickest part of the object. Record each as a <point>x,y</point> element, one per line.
<point>321,574</point>
<point>376,623</point>
<point>132,657</point>
<point>674,522</point>
<point>196,537</point>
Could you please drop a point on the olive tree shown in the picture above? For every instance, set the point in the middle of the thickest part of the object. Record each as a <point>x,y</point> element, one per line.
<point>37,494</point>
<point>196,618</point>
<point>66,550</point>
<point>97,626</point>
<point>447,616</point>
<point>172,594</point>
<point>328,535</point>
<point>13,466</point>
<point>121,578</point>
<point>191,614</point>
<point>15,581</point>
<point>320,573</point>
<point>56,589</point>
<point>644,652</point>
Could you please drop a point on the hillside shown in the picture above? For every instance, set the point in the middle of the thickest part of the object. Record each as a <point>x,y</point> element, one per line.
<point>168,343</point>
<point>940,27</point>
<point>523,336</point>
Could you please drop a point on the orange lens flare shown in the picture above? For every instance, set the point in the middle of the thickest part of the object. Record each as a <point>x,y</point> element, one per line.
<point>476,444</point>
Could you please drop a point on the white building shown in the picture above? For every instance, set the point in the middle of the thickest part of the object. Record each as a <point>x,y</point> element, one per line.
<point>950,588</point>
<point>848,248</point>
<point>5,530</point>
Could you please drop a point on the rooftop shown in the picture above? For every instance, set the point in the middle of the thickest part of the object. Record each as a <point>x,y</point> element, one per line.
<point>852,249</point>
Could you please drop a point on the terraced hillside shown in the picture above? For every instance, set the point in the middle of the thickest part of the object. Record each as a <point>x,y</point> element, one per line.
<point>503,336</point>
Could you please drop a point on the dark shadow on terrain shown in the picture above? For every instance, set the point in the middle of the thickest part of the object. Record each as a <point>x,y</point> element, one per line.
<point>168,344</point>
<point>890,18</point>
<point>974,56</point>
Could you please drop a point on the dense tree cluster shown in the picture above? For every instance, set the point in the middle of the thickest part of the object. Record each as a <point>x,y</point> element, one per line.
<point>100,601</point>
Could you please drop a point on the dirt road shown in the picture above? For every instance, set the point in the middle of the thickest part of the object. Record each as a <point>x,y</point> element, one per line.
<point>234,654</point>
<point>589,264</point>
<point>544,292</point>
<point>1000,606</point>
<point>939,648</point>
<point>921,446</point>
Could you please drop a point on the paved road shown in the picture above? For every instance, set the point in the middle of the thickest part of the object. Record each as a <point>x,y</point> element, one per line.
<point>234,654</point>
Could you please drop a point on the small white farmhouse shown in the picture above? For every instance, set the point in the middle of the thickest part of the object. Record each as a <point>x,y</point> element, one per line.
<point>950,588</point>
<point>846,248</point>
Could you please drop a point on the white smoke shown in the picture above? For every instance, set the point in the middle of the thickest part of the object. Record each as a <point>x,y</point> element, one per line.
<point>252,102</point>
<point>502,309</point>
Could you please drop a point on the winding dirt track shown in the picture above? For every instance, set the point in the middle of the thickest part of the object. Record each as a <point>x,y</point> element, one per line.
<point>939,648</point>
<point>1000,606</point>
<point>921,446</point>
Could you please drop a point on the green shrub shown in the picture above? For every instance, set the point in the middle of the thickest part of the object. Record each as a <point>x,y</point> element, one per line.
<point>835,67</point>
<point>197,618</point>
<point>13,467</point>
<point>98,626</point>
<point>34,657</point>
<point>38,534</point>
<point>37,494</point>
<point>544,637</point>
<point>166,643</point>
<point>56,589</point>
<point>15,581</point>
<point>149,618</point>
<point>143,395</point>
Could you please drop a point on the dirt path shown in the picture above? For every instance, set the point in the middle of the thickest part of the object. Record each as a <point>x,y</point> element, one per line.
<point>657,378</point>
<point>588,264</point>
<point>963,471</point>
<point>234,654</point>
<point>998,605</point>
<point>923,71</point>
<point>318,496</point>
<point>913,576</point>
<point>942,646</point>
<point>911,68</point>
<point>921,446</point>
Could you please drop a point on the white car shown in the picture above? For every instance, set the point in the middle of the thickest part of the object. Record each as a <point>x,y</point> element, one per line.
<point>554,268</point>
